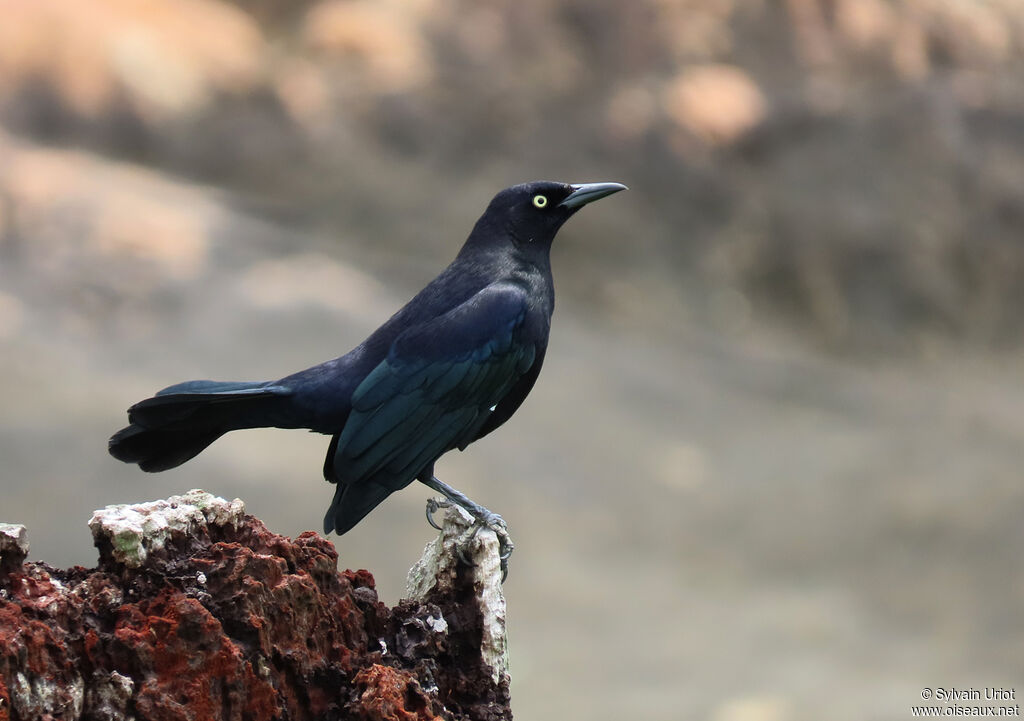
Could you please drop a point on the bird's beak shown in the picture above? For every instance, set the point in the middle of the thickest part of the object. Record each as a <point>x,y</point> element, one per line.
<point>589,192</point>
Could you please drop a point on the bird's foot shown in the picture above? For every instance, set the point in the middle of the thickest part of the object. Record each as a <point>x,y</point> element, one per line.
<point>482,518</point>
<point>433,506</point>
<point>505,546</point>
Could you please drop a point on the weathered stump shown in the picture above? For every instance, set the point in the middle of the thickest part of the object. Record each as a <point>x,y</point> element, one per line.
<point>197,612</point>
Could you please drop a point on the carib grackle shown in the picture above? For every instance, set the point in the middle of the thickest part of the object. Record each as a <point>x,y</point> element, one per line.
<point>448,368</point>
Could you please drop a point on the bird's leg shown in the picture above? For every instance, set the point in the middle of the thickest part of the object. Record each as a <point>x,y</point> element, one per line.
<point>483,517</point>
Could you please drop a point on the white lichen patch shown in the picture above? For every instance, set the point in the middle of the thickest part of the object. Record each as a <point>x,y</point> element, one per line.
<point>437,625</point>
<point>13,540</point>
<point>37,697</point>
<point>134,531</point>
<point>437,567</point>
<point>108,696</point>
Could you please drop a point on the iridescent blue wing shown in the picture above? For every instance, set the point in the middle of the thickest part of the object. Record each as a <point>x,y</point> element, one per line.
<point>435,390</point>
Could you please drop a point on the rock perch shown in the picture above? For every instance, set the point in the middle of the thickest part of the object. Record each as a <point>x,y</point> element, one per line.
<point>197,612</point>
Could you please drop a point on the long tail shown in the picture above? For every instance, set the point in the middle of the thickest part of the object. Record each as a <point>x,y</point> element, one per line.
<point>178,422</point>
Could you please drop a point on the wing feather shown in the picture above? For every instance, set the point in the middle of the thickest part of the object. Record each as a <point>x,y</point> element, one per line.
<point>436,388</point>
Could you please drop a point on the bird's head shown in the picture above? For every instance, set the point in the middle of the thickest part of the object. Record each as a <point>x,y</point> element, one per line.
<point>531,213</point>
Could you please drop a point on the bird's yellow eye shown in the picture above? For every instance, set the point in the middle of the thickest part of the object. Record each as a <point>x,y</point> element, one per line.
<point>540,201</point>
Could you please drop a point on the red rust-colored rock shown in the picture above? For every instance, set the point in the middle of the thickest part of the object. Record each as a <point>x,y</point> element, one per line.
<point>231,623</point>
<point>390,695</point>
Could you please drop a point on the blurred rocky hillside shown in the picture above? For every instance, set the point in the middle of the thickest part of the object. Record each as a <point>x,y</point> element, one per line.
<point>853,168</point>
<point>207,189</point>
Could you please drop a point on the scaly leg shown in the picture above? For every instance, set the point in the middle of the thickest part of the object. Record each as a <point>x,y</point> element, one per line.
<point>483,518</point>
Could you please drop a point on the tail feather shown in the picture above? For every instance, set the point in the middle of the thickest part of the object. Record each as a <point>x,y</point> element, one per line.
<point>205,403</point>
<point>178,422</point>
<point>159,450</point>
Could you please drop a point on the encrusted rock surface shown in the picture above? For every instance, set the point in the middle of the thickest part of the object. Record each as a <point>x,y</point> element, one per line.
<point>440,574</point>
<point>13,546</point>
<point>198,612</point>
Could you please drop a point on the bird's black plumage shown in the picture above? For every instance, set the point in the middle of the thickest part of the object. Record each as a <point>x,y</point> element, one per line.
<point>448,368</point>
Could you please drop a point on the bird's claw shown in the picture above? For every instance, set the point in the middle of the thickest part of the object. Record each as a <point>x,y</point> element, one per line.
<point>488,520</point>
<point>433,506</point>
<point>505,546</point>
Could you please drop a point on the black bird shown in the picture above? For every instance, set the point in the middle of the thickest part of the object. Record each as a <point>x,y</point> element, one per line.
<point>448,368</point>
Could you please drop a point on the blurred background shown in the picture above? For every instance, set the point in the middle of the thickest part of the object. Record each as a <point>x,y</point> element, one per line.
<point>772,469</point>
